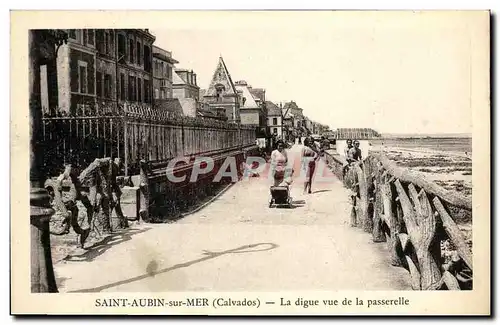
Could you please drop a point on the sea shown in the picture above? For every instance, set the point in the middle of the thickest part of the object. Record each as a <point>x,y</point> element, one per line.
<point>438,143</point>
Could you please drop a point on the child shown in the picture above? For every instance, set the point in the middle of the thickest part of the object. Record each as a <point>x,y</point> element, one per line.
<point>287,180</point>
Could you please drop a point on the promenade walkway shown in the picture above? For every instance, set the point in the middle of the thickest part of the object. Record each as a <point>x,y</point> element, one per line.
<point>238,243</point>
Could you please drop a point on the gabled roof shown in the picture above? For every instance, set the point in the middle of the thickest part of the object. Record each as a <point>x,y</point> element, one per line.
<point>290,105</point>
<point>176,80</point>
<point>221,76</point>
<point>244,92</point>
<point>258,93</point>
<point>272,109</point>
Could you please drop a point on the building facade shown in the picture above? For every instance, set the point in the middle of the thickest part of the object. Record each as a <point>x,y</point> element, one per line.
<point>163,66</point>
<point>185,84</point>
<point>274,119</point>
<point>186,91</point>
<point>73,74</point>
<point>252,108</point>
<point>99,68</point>
<point>135,66</point>
<point>221,96</point>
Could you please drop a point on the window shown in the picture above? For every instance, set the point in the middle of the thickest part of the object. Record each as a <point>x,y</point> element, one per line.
<point>131,88</point>
<point>134,89</point>
<point>90,39</point>
<point>147,94</point>
<point>122,86</point>
<point>106,43</point>
<point>98,79</point>
<point>72,34</point>
<point>131,50</point>
<point>111,43</point>
<point>275,130</point>
<point>157,93</point>
<point>107,85</point>
<point>147,59</point>
<point>82,77</point>
<point>219,88</point>
<point>275,121</point>
<point>138,53</point>
<point>121,47</point>
<point>162,94</point>
<point>83,40</point>
<point>169,72</point>
<point>100,41</point>
<point>139,90</point>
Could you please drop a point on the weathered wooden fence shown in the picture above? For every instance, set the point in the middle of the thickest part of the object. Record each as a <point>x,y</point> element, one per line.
<point>414,216</point>
<point>134,133</point>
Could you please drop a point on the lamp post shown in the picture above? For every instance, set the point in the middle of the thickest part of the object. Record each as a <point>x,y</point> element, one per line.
<point>42,45</point>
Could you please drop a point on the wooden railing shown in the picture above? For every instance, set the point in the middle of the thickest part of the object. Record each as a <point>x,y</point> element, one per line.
<point>414,216</point>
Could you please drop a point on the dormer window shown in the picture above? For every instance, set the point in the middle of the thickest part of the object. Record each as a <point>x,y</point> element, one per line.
<point>219,90</point>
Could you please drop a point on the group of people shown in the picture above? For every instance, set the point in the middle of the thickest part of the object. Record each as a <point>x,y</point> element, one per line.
<point>310,154</point>
<point>283,174</point>
<point>352,153</point>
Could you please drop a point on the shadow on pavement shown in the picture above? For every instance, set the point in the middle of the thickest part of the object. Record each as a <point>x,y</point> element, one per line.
<point>151,268</point>
<point>321,191</point>
<point>99,248</point>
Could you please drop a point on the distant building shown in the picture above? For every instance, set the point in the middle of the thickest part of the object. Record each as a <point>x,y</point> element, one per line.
<point>221,96</point>
<point>274,119</point>
<point>186,90</point>
<point>296,112</point>
<point>163,65</point>
<point>252,110</point>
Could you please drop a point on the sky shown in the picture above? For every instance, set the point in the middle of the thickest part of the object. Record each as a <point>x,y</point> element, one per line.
<point>396,73</point>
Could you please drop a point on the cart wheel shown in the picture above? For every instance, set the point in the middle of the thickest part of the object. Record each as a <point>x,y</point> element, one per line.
<point>271,203</point>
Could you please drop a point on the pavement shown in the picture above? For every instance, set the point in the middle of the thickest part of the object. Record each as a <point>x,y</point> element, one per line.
<point>238,243</point>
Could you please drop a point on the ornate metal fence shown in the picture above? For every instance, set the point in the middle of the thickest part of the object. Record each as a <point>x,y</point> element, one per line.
<point>132,133</point>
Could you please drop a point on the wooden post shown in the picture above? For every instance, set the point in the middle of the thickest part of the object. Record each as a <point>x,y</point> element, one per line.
<point>363,198</point>
<point>378,206</point>
<point>354,222</point>
<point>421,226</point>
<point>454,233</point>
<point>392,220</point>
<point>144,190</point>
<point>42,271</point>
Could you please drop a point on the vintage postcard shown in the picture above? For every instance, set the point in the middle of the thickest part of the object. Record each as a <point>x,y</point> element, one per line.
<point>250,162</point>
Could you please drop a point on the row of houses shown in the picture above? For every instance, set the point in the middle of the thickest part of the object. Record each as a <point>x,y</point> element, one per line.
<point>240,102</point>
<point>99,68</point>
<point>102,68</point>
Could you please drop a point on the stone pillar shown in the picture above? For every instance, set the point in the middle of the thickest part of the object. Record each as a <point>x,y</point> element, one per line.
<point>42,272</point>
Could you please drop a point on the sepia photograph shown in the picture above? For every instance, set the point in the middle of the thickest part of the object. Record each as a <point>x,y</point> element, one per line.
<point>251,154</point>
